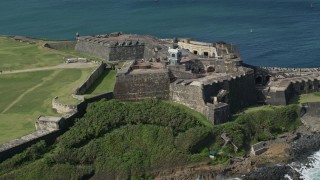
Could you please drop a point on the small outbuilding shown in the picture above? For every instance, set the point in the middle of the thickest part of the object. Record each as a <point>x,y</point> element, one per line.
<point>259,148</point>
<point>49,123</point>
<point>212,154</point>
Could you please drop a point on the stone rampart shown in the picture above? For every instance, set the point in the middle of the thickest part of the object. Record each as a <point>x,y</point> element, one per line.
<point>91,79</point>
<point>16,146</point>
<point>296,70</point>
<point>281,91</point>
<point>61,45</point>
<point>179,72</point>
<point>217,113</point>
<point>150,83</point>
<point>62,108</point>
<point>131,52</point>
<point>98,50</point>
<point>241,90</point>
<point>188,93</point>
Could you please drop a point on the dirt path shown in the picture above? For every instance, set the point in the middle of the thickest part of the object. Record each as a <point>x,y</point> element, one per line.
<point>60,66</point>
<point>50,77</point>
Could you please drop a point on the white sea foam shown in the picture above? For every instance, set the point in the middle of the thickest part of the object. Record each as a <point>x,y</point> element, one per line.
<point>287,177</point>
<point>310,171</point>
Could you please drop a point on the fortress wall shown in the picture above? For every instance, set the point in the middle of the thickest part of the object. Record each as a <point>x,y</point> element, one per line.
<point>178,71</point>
<point>63,108</point>
<point>126,52</point>
<point>221,66</point>
<point>150,84</point>
<point>61,45</point>
<point>217,113</point>
<point>18,145</point>
<point>92,49</point>
<point>294,70</point>
<point>188,95</point>
<point>91,79</point>
<point>312,108</point>
<point>149,51</point>
<point>241,90</point>
<point>277,98</point>
<point>297,86</point>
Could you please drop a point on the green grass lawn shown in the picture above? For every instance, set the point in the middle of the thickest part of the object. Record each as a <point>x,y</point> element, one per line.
<point>28,95</point>
<point>18,55</point>
<point>105,83</point>
<point>311,97</point>
<point>259,108</point>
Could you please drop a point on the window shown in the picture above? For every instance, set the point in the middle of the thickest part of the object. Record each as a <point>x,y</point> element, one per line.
<point>173,55</point>
<point>195,52</point>
<point>206,54</point>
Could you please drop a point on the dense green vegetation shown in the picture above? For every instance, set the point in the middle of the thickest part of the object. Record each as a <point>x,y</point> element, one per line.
<point>137,139</point>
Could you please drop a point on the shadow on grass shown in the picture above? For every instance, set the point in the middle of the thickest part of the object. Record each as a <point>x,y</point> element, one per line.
<point>98,81</point>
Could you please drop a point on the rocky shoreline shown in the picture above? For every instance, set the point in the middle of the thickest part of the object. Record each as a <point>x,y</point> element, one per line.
<point>299,151</point>
<point>274,164</point>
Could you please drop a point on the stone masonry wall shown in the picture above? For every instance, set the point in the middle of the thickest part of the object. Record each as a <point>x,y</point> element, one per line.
<point>217,113</point>
<point>91,79</point>
<point>241,90</point>
<point>126,52</point>
<point>150,84</point>
<point>63,108</point>
<point>92,49</point>
<point>189,95</point>
<point>61,45</point>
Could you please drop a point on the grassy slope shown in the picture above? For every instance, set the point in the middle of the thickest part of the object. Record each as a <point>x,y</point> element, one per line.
<point>17,55</point>
<point>311,97</point>
<point>19,119</point>
<point>136,139</point>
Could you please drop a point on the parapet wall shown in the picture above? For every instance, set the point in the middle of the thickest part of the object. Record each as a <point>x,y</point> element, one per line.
<point>179,72</point>
<point>92,49</point>
<point>16,146</point>
<point>148,84</point>
<point>61,45</point>
<point>281,92</point>
<point>126,52</point>
<point>312,108</point>
<point>241,90</point>
<point>91,79</point>
<point>63,108</point>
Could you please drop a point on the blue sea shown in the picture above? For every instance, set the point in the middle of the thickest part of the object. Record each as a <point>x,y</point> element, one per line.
<point>284,33</point>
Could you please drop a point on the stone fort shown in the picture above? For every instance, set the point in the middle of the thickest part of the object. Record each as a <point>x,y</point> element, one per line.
<point>210,78</point>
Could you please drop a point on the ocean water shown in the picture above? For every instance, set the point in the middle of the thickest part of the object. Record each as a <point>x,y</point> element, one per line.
<point>310,171</point>
<point>284,33</point>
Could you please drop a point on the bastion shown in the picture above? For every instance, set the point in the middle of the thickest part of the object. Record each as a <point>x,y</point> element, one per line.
<point>210,78</point>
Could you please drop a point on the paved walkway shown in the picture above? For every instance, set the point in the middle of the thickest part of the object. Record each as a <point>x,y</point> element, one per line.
<point>60,66</point>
